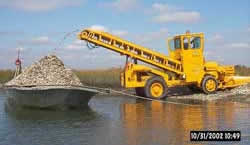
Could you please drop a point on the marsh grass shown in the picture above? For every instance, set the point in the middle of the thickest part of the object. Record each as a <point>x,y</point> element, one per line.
<point>101,77</point>
<point>242,70</point>
<point>106,77</point>
<point>6,75</point>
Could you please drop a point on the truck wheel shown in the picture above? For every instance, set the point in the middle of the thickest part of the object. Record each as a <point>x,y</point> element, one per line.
<point>209,85</point>
<point>155,88</point>
<point>140,91</point>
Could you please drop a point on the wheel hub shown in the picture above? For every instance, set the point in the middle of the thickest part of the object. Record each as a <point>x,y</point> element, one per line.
<point>210,85</point>
<point>156,90</point>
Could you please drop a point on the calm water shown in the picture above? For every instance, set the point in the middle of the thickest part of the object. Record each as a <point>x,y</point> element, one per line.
<point>122,121</point>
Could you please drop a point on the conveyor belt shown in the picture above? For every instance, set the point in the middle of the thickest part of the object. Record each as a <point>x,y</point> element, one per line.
<point>132,50</point>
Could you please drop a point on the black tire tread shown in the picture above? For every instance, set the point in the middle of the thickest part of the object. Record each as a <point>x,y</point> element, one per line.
<point>150,81</point>
<point>206,78</point>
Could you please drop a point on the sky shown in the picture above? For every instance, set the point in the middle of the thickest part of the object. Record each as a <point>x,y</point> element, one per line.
<point>42,27</point>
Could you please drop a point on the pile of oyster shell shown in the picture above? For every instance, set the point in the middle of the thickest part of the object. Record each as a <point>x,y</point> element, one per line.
<point>49,70</point>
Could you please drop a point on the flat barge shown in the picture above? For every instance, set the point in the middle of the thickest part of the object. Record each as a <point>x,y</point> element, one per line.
<point>49,96</point>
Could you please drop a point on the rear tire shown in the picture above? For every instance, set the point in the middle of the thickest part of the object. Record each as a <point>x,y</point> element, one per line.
<point>209,85</point>
<point>155,88</point>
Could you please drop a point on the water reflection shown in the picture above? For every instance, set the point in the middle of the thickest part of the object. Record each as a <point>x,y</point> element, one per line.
<point>146,122</point>
<point>116,120</point>
<point>40,127</point>
<point>44,114</point>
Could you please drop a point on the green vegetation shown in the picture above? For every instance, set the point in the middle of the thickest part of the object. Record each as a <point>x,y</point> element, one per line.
<point>6,75</point>
<point>242,70</point>
<point>107,77</point>
<point>100,78</point>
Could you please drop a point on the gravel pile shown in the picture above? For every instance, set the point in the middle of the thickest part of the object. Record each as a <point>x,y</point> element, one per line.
<point>49,70</point>
<point>242,90</point>
<point>238,91</point>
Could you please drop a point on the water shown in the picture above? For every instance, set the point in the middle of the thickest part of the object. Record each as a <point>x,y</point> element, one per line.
<point>122,121</point>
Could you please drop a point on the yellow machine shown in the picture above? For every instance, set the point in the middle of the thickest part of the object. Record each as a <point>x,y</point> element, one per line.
<point>186,65</point>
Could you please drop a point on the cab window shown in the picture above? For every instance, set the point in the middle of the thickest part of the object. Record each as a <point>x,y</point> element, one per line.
<point>185,43</point>
<point>175,44</point>
<point>171,44</point>
<point>195,42</point>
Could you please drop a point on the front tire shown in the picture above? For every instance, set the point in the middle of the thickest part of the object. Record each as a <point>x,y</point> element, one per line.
<point>155,88</point>
<point>209,85</point>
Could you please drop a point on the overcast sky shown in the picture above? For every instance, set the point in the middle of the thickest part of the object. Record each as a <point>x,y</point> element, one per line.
<point>37,27</point>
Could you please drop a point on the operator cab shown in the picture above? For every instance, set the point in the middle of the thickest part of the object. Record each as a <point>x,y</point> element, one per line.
<point>188,48</point>
<point>187,41</point>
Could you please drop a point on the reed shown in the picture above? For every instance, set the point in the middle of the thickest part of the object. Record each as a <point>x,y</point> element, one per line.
<point>242,70</point>
<point>101,77</point>
<point>6,75</point>
<point>107,77</point>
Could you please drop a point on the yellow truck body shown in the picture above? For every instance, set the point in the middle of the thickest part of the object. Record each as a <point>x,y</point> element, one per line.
<point>184,66</point>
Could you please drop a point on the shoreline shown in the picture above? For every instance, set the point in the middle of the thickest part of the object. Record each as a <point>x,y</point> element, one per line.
<point>184,94</point>
<point>180,93</point>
